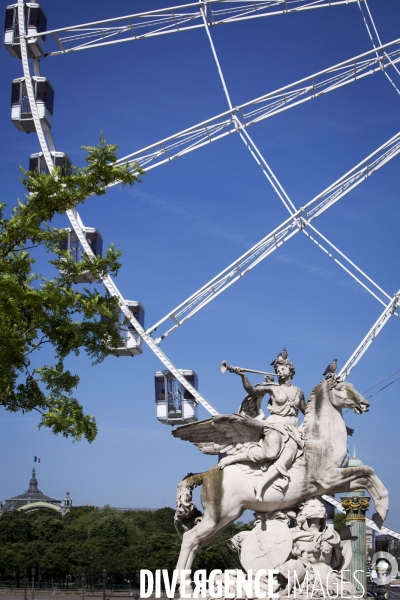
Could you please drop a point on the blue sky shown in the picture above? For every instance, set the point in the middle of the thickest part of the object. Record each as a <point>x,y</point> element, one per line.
<point>191,218</point>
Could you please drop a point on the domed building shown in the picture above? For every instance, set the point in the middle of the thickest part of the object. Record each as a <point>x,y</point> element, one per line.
<point>33,499</point>
<point>354,461</point>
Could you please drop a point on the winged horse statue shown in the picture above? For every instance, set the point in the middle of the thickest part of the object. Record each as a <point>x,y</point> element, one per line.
<point>320,469</point>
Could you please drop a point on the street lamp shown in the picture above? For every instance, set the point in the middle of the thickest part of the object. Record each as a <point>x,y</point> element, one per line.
<point>25,577</point>
<point>33,582</point>
<point>104,573</point>
<point>136,591</point>
<point>83,579</point>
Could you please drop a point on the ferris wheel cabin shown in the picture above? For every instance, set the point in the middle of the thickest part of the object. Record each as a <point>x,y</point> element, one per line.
<point>175,404</point>
<point>132,340</point>
<point>21,114</point>
<point>35,24</point>
<point>72,245</point>
<point>37,162</point>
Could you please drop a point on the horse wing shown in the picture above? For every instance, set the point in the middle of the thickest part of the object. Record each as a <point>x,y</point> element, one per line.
<point>224,433</point>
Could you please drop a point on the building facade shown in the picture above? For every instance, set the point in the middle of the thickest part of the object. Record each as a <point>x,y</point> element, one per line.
<point>34,499</point>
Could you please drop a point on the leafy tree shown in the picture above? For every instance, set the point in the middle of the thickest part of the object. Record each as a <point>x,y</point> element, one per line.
<point>340,521</point>
<point>15,527</point>
<point>108,525</point>
<point>45,526</point>
<point>89,539</point>
<point>35,311</point>
<point>163,520</point>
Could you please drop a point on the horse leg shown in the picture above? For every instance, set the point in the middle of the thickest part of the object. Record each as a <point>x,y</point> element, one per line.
<point>218,514</point>
<point>338,480</point>
<point>194,539</point>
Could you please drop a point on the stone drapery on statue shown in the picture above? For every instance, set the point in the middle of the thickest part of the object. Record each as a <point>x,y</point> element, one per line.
<point>321,469</point>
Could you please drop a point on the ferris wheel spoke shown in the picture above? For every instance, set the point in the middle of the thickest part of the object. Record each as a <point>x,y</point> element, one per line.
<point>226,278</point>
<point>350,180</point>
<point>350,264</point>
<point>267,171</point>
<point>371,335</point>
<point>263,107</point>
<point>244,135</point>
<point>174,19</point>
<point>127,28</point>
<point>375,38</point>
<point>280,235</point>
<point>307,225</point>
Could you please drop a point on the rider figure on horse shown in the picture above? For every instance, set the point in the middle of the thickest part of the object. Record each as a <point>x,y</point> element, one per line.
<point>281,442</point>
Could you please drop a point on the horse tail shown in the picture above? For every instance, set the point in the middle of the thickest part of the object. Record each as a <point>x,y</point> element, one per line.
<point>186,512</point>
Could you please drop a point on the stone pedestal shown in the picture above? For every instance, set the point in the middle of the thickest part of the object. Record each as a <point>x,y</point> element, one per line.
<point>356,507</point>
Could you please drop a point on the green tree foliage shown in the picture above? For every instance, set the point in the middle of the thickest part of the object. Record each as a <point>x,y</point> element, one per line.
<point>36,312</point>
<point>15,528</point>
<point>108,526</point>
<point>89,539</point>
<point>340,521</point>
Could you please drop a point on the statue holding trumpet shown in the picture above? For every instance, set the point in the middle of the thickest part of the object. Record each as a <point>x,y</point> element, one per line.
<point>281,443</point>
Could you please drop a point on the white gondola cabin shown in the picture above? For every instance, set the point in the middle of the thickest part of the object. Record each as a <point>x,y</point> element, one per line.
<point>21,114</point>
<point>132,340</point>
<point>37,162</point>
<point>73,246</point>
<point>175,404</point>
<point>35,24</point>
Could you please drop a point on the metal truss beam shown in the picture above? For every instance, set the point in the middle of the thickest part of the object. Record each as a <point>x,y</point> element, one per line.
<point>375,39</point>
<point>175,19</point>
<point>263,107</point>
<point>359,276</point>
<point>350,267</point>
<point>79,230</point>
<point>278,188</point>
<point>371,335</point>
<point>244,135</point>
<point>370,523</point>
<point>260,160</point>
<point>274,240</point>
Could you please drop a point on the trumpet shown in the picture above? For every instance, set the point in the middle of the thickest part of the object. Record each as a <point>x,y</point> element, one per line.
<point>225,367</point>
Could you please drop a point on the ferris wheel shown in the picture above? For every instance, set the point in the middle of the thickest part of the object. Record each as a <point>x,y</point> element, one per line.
<point>27,38</point>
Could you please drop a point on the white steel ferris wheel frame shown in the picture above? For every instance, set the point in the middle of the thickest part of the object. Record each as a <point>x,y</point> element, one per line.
<point>176,19</point>
<point>237,120</point>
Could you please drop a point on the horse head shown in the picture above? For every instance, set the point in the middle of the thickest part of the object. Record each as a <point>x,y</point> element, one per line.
<point>344,395</point>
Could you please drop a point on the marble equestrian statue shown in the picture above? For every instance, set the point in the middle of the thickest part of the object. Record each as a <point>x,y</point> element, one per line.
<point>270,464</point>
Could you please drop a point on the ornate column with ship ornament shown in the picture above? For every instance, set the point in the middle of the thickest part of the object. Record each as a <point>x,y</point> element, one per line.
<point>356,506</point>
